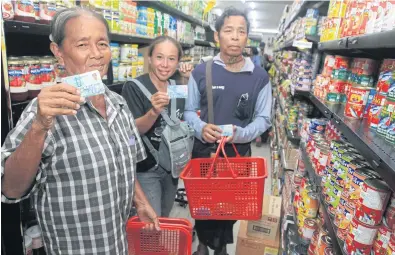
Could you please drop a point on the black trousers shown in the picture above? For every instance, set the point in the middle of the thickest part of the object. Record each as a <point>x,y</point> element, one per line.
<point>216,233</point>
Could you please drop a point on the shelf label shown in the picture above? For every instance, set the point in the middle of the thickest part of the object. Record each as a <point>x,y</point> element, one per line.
<point>302,44</point>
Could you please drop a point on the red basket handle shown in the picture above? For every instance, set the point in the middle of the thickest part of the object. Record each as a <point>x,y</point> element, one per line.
<point>164,221</point>
<point>221,147</point>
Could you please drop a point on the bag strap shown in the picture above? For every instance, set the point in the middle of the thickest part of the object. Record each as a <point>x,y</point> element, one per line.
<point>209,91</point>
<point>173,104</point>
<point>171,121</point>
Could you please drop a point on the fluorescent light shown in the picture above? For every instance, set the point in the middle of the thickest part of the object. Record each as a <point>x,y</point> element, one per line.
<point>264,30</point>
<point>252,5</point>
<point>253,15</point>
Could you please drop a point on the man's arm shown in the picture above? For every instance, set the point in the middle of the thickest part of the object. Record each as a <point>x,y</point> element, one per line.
<point>261,121</point>
<point>192,105</point>
<point>21,156</point>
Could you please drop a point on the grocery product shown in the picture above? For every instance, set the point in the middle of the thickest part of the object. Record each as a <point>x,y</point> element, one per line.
<point>47,10</point>
<point>7,9</point>
<point>16,74</point>
<point>33,76</point>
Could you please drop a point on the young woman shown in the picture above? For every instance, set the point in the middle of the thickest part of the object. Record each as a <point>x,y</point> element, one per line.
<point>164,57</point>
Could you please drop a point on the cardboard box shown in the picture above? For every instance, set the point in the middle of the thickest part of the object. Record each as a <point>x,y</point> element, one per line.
<point>268,226</point>
<point>255,246</point>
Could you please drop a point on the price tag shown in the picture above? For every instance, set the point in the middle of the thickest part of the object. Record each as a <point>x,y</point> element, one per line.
<point>302,44</point>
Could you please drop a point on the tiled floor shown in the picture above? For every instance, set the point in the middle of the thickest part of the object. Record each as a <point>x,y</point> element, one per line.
<point>180,212</point>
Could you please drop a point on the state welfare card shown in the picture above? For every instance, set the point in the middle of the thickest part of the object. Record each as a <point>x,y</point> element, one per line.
<point>227,130</point>
<point>90,83</point>
<point>177,91</point>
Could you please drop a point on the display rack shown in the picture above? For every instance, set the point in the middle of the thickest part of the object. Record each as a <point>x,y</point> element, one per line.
<point>12,26</point>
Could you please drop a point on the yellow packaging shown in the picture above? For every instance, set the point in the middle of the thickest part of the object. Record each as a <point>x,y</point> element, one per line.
<point>337,9</point>
<point>150,30</point>
<point>115,25</point>
<point>115,5</point>
<point>333,29</point>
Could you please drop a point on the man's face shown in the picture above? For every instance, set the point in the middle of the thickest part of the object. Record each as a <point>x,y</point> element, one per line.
<point>233,36</point>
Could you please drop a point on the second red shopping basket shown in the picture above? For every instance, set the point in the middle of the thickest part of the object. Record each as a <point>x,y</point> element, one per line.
<point>174,238</point>
<point>225,188</point>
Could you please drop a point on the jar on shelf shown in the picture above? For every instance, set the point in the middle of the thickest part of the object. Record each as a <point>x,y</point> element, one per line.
<point>7,9</point>
<point>16,76</point>
<point>47,11</point>
<point>36,7</point>
<point>33,77</point>
<point>24,10</point>
<point>48,75</point>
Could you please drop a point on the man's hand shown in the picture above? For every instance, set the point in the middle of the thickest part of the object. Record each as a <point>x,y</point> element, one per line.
<point>185,69</point>
<point>230,138</point>
<point>60,99</point>
<point>211,133</point>
<point>147,214</point>
<point>159,100</point>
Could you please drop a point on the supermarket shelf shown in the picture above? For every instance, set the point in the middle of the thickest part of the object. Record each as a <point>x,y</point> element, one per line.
<point>12,26</point>
<point>301,93</point>
<point>332,229</point>
<point>328,219</point>
<point>284,162</point>
<point>340,44</point>
<point>174,12</point>
<point>377,152</point>
<point>292,137</point>
<point>383,40</point>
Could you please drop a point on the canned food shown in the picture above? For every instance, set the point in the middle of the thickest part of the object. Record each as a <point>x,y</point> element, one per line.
<point>341,62</point>
<point>382,240</point>
<point>311,205</point>
<point>386,81</point>
<point>388,65</point>
<point>390,217</point>
<point>385,115</point>
<point>47,11</point>
<point>33,76</point>
<point>354,111</point>
<point>126,53</point>
<point>16,75</point>
<point>360,238</point>
<point>308,229</point>
<point>359,95</point>
<point>391,245</point>
<point>374,111</point>
<point>364,81</point>
<point>344,222</point>
<point>390,136</point>
<point>324,243</point>
<point>329,63</point>
<point>340,75</point>
<point>364,66</point>
<point>358,179</point>
<point>374,197</point>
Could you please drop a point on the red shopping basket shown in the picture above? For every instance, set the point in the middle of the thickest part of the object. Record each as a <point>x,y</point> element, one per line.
<point>225,188</point>
<point>174,238</point>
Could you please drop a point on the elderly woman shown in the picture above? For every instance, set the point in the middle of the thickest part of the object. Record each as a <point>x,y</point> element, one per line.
<point>77,156</point>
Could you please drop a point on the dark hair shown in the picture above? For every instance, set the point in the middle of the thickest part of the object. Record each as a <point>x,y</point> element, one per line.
<point>60,19</point>
<point>228,12</point>
<point>164,38</point>
<point>254,51</point>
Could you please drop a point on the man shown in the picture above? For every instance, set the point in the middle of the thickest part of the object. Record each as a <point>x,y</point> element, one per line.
<point>241,97</point>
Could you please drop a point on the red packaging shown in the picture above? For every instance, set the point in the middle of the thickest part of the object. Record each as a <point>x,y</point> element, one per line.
<point>33,77</point>
<point>360,238</point>
<point>360,18</point>
<point>358,95</point>
<point>375,109</point>
<point>364,66</point>
<point>390,217</point>
<point>391,245</point>
<point>354,111</point>
<point>381,242</point>
<point>385,81</point>
<point>337,86</point>
<point>328,66</point>
<point>341,62</point>
<point>375,194</point>
<point>388,65</point>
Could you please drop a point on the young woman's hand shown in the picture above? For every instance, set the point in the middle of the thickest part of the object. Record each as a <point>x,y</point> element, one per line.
<point>159,100</point>
<point>185,69</point>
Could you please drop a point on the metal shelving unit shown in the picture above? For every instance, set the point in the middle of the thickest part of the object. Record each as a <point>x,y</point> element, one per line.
<point>377,152</point>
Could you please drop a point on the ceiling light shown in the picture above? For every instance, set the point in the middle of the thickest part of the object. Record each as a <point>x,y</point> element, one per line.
<point>264,30</point>
<point>252,5</point>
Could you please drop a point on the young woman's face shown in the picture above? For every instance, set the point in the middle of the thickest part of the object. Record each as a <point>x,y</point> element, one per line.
<point>85,47</point>
<point>164,60</point>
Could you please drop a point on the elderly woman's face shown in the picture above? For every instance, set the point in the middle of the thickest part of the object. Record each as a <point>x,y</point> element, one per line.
<point>85,46</point>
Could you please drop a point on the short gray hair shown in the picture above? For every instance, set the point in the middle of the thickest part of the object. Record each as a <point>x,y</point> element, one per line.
<point>60,19</point>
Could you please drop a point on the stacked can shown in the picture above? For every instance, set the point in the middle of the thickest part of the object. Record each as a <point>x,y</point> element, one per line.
<point>340,72</point>
<point>128,56</point>
<point>301,75</point>
<point>320,243</point>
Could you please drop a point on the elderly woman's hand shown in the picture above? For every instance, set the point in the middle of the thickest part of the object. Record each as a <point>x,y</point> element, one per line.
<point>60,99</point>
<point>185,69</point>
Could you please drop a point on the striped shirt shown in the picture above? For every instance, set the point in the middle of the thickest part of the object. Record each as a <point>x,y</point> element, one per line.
<point>85,183</point>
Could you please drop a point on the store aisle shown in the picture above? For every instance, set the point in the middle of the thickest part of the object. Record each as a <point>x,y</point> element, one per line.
<point>180,212</point>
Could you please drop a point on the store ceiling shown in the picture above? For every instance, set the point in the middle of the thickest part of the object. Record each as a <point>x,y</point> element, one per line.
<point>263,14</point>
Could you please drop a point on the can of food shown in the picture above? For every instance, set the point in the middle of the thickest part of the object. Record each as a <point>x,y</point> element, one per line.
<point>359,95</point>
<point>126,53</point>
<point>311,203</point>
<point>324,243</point>
<point>340,75</point>
<point>354,111</point>
<point>388,65</point>
<point>318,125</point>
<point>364,66</point>
<point>364,81</point>
<point>344,222</point>
<point>358,179</point>
<point>329,63</point>
<point>391,245</point>
<point>341,62</point>
<point>382,240</point>
<point>374,196</point>
<point>328,251</point>
<point>389,216</point>
<point>390,136</point>
<point>115,52</point>
<point>360,238</point>
<point>33,77</point>
<point>385,116</point>
<point>375,109</point>
<point>308,229</point>
<point>385,81</point>
<point>123,71</point>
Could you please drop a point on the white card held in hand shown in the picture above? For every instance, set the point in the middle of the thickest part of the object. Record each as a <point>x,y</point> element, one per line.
<point>90,83</point>
<point>227,130</point>
<point>177,91</point>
